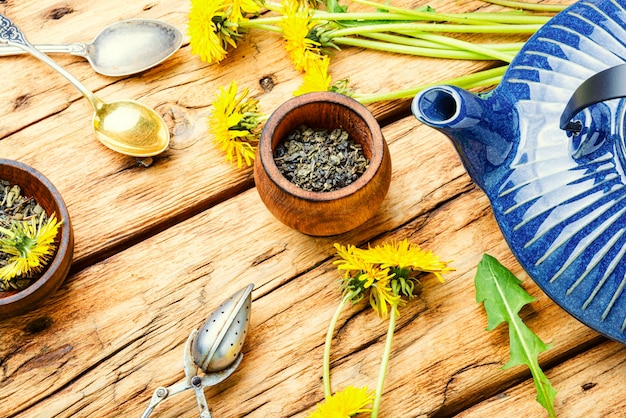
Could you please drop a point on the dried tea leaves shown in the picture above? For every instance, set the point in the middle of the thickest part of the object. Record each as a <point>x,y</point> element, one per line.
<point>318,160</point>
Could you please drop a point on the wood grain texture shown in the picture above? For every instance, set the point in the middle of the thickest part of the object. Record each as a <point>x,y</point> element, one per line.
<point>159,247</point>
<point>102,362</point>
<point>50,124</point>
<point>586,383</point>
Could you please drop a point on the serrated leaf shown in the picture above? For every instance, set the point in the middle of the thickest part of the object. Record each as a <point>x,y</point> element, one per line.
<point>503,297</point>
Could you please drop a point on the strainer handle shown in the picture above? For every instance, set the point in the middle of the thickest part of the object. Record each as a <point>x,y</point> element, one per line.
<point>161,393</point>
<point>605,85</point>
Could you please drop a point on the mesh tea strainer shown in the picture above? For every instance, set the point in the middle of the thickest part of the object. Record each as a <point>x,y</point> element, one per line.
<point>215,349</point>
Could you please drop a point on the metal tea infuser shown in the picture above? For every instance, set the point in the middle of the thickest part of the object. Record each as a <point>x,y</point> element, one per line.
<point>215,348</point>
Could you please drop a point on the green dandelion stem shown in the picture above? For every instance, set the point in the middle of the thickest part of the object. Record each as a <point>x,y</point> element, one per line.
<point>264,20</point>
<point>474,22</point>
<point>329,16</point>
<point>409,50</point>
<point>512,47</point>
<point>410,28</point>
<point>327,344</point>
<point>485,78</point>
<point>414,41</point>
<point>440,47</point>
<point>362,16</point>
<point>425,14</point>
<point>548,8</point>
<point>384,362</point>
<point>469,19</point>
<point>407,40</point>
<point>468,46</point>
<point>326,16</point>
<point>511,18</point>
<point>506,46</point>
<point>420,44</point>
<point>393,13</point>
<point>514,17</point>
<point>263,24</point>
<point>321,15</point>
<point>270,28</point>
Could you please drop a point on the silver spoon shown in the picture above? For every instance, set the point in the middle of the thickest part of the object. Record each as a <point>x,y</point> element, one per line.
<point>122,48</point>
<point>125,126</point>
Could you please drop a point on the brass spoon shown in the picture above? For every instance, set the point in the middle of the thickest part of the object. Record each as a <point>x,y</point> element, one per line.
<point>125,126</point>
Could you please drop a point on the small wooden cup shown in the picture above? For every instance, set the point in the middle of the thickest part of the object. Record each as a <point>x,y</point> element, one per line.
<point>36,185</point>
<point>323,213</point>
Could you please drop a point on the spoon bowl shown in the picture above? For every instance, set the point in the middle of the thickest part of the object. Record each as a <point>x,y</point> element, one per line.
<point>125,126</point>
<point>123,48</point>
<point>130,128</point>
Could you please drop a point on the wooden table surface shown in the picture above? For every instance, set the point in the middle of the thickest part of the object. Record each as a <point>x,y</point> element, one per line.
<point>159,247</point>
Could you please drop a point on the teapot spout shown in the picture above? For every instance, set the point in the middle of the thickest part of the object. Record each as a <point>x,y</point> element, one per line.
<point>481,129</point>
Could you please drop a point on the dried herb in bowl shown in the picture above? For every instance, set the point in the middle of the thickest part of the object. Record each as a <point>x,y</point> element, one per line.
<point>318,160</point>
<point>27,236</point>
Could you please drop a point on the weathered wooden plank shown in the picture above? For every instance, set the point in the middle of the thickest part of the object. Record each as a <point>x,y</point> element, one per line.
<point>111,198</point>
<point>118,327</point>
<point>221,244</point>
<point>116,330</point>
<point>586,386</point>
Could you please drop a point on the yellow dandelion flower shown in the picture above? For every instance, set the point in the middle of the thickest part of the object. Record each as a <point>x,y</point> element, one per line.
<point>361,277</point>
<point>240,8</point>
<point>348,259</point>
<point>297,24</point>
<point>404,255</point>
<point>351,262</point>
<point>234,124</point>
<point>209,32</point>
<point>30,245</point>
<point>316,76</point>
<point>383,295</point>
<point>344,404</point>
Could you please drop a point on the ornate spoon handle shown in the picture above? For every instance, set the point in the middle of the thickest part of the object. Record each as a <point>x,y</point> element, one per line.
<point>74,49</point>
<point>12,35</point>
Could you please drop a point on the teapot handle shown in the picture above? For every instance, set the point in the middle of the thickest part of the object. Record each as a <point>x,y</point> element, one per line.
<point>605,85</point>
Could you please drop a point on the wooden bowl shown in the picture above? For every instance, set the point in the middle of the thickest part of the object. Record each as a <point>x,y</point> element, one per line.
<point>332,212</point>
<point>36,185</point>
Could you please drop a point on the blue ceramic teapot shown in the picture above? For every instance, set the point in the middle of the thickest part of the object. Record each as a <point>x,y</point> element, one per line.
<point>548,147</point>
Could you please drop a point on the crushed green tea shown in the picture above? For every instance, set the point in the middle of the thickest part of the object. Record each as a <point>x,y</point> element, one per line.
<point>318,160</point>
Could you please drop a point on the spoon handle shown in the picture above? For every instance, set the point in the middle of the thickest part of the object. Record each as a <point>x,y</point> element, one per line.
<point>12,35</point>
<point>74,49</point>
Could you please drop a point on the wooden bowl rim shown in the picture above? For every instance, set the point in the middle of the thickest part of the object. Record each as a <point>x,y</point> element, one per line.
<point>63,249</point>
<point>266,154</point>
